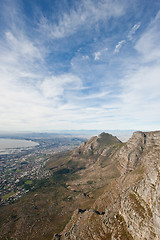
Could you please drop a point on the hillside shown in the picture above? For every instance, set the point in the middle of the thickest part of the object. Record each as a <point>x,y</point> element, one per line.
<point>129,206</point>
<point>76,181</point>
<point>102,190</point>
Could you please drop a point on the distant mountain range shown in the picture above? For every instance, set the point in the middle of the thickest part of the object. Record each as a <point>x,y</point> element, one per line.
<point>121,134</point>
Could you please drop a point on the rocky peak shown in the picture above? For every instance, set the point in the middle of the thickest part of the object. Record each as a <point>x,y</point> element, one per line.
<point>97,145</point>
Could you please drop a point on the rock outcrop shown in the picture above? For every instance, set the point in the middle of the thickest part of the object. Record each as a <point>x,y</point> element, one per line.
<point>98,145</point>
<point>129,208</point>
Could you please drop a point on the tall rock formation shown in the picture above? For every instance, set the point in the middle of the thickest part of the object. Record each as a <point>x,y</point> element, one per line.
<point>129,207</point>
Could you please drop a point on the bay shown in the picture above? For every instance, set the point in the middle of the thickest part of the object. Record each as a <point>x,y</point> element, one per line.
<point>13,145</point>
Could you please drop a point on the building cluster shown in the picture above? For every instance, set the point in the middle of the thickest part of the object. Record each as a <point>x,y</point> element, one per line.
<point>18,172</point>
<point>17,175</point>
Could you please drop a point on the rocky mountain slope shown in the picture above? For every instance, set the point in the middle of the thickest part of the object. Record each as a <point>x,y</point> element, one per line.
<point>129,207</point>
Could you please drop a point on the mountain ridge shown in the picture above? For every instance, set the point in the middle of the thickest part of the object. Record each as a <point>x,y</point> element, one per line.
<point>75,182</point>
<point>103,190</point>
<point>129,206</point>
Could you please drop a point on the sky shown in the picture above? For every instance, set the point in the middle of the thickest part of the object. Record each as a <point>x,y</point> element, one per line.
<point>79,64</point>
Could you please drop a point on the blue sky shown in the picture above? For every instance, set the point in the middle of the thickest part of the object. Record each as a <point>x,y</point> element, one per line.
<point>79,64</point>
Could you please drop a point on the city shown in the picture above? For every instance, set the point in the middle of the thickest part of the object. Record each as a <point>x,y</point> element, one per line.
<point>20,171</point>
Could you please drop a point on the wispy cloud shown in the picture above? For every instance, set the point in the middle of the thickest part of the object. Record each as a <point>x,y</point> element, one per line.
<point>140,95</point>
<point>133,30</point>
<point>129,37</point>
<point>119,45</point>
<point>86,14</point>
<point>149,45</point>
<point>46,84</point>
<point>22,46</point>
<point>101,95</point>
<point>56,86</point>
<point>85,57</point>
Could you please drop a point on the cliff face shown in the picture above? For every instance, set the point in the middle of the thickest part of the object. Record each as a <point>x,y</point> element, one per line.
<point>140,204</point>
<point>129,208</point>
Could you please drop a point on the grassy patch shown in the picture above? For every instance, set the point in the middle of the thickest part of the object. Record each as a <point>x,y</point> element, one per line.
<point>8,195</point>
<point>28,182</point>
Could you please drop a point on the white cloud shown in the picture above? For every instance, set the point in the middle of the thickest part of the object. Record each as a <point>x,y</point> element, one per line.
<point>33,97</point>
<point>140,95</point>
<point>119,45</point>
<point>97,56</point>
<point>99,95</point>
<point>130,36</point>
<point>86,57</point>
<point>87,13</point>
<point>149,45</point>
<point>133,30</point>
<point>100,53</point>
<point>22,46</point>
<point>55,86</point>
<point>29,100</point>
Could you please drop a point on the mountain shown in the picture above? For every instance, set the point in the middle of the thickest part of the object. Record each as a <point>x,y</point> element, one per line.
<point>102,190</point>
<point>98,145</point>
<point>75,182</point>
<point>129,207</point>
